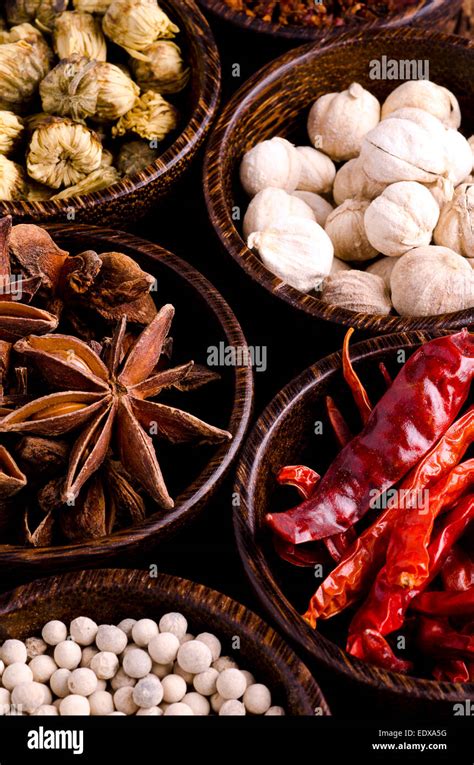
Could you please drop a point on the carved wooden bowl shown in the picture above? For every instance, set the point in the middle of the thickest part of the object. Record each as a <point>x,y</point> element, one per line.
<point>429,13</point>
<point>285,435</point>
<point>203,319</point>
<point>275,102</point>
<point>128,200</point>
<point>109,595</point>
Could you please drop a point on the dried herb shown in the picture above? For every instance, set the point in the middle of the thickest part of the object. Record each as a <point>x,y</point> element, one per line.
<point>325,14</point>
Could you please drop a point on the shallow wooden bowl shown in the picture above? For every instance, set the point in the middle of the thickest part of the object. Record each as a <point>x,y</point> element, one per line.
<point>429,13</point>
<point>276,101</point>
<point>285,435</point>
<point>203,319</point>
<point>109,595</point>
<point>131,198</point>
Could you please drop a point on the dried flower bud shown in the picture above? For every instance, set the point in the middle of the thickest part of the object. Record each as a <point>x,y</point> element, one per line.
<point>117,92</point>
<point>12,180</point>
<point>152,117</point>
<point>134,156</point>
<point>43,12</point>
<point>163,70</point>
<point>80,33</point>
<point>92,6</point>
<point>136,24</point>
<point>11,128</point>
<point>22,67</point>
<point>71,89</point>
<point>62,153</point>
<point>99,179</point>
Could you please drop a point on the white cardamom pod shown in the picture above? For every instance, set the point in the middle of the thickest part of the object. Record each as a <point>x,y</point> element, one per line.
<point>271,207</point>
<point>270,163</point>
<point>357,291</point>
<point>320,207</point>
<point>351,181</point>
<point>424,94</point>
<point>345,227</point>
<point>455,228</point>
<point>383,268</point>
<point>401,218</point>
<point>300,252</point>
<point>317,171</point>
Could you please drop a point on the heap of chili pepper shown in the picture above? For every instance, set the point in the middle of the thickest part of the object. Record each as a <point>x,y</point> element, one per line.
<point>408,566</point>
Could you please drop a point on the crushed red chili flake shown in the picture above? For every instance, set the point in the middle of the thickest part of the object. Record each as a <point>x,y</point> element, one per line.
<point>312,13</point>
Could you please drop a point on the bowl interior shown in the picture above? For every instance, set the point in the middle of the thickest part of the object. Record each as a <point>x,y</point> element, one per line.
<point>295,430</point>
<point>108,596</point>
<point>190,472</point>
<point>276,102</point>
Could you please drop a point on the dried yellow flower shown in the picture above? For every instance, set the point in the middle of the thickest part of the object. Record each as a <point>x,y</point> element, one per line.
<point>134,156</point>
<point>11,128</point>
<point>107,158</point>
<point>71,89</point>
<point>22,67</point>
<point>33,36</point>
<point>92,6</point>
<point>136,24</point>
<point>43,12</point>
<point>99,179</point>
<point>12,180</point>
<point>117,92</point>
<point>152,117</point>
<point>62,153</point>
<point>81,34</point>
<point>163,70</point>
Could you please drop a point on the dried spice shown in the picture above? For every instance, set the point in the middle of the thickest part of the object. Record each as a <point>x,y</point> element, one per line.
<point>22,67</point>
<point>152,117</point>
<point>81,34</point>
<point>12,180</point>
<point>70,89</point>
<point>11,129</point>
<point>136,24</point>
<point>163,69</point>
<point>99,179</point>
<point>117,92</point>
<point>92,6</point>
<point>135,156</point>
<point>44,12</point>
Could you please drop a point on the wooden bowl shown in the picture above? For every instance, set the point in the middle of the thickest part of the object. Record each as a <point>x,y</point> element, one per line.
<point>109,595</point>
<point>134,196</point>
<point>227,403</point>
<point>429,13</point>
<point>284,435</point>
<point>276,101</point>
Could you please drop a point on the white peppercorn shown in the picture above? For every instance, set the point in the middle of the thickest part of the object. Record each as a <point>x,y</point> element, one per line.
<point>248,677</point>
<point>199,704</point>
<point>137,663</point>
<point>2,667</point>
<point>143,631</point>
<point>257,699</point>
<point>174,688</point>
<point>101,703</point>
<point>83,630</point>
<point>163,648</point>
<point>126,625</point>
<point>16,673</point>
<point>88,654</point>
<point>54,632</point>
<point>46,710</point>
<point>161,670</point>
<point>231,684</point>
<point>74,705</point>
<point>82,681</point>
<point>110,638</point>
<point>67,654</point>
<point>28,696</point>
<point>187,676</point>
<point>186,638</point>
<point>194,656</point>
<point>212,642</point>
<point>4,701</point>
<point>275,711</point>
<point>179,709</point>
<point>35,647</point>
<point>224,662</point>
<point>101,685</point>
<point>216,702</point>
<point>105,664</point>
<point>122,680</point>
<point>150,711</point>
<point>148,692</point>
<point>42,667</point>
<point>123,700</point>
<point>59,682</point>
<point>175,623</point>
<point>13,652</point>
<point>232,707</point>
<point>205,682</point>
<point>47,695</point>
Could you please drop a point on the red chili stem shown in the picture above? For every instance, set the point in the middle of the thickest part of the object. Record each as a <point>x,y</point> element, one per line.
<point>351,377</point>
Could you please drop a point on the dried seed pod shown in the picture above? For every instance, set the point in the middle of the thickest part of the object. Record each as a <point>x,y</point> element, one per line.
<point>455,228</point>
<point>71,89</point>
<point>136,24</point>
<point>92,6</point>
<point>62,153</point>
<point>320,207</point>
<point>42,456</point>
<point>81,34</point>
<point>338,122</point>
<point>118,94</point>
<point>383,268</point>
<point>432,280</point>
<point>345,227</point>
<point>11,477</point>
<point>459,155</point>
<point>317,171</point>
<point>134,156</point>
<point>152,117</point>
<point>352,182</point>
<point>12,180</point>
<point>271,207</point>
<point>163,70</point>
<point>22,67</point>
<point>37,254</point>
<point>299,252</point>
<point>43,12</point>
<point>357,291</point>
<point>99,179</point>
<point>338,266</point>
<point>426,95</point>
<point>270,163</point>
<point>11,129</point>
<point>401,218</point>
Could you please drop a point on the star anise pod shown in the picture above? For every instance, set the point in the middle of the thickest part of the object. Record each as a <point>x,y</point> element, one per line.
<point>17,317</point>
<point>109,402</point>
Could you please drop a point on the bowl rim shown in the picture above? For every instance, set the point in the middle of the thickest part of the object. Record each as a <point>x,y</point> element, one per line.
<point>426,11</point>
<point>224,226</point>
<point>184,145</point>
<point>278,607</point>
<point>195,495</point>
<point>212,602</point>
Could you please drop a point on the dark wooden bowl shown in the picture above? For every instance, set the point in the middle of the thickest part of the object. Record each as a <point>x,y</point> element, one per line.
<point>429,13</point>
<point>276,100</point>
<point>202,319</point>
<point>284,434</point>
<point>131,198</point>
<point>109,595</point>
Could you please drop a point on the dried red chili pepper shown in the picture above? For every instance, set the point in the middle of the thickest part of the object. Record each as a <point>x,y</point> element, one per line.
<point>377,651</point>
<point>352,578</point>
<point>458,571</point>
<point>451,671</point>
<point>339,424</point>
<point>445,603</point>
<point>301,477</point>
<point>436,638</point>
<point>385,608</point>
<point>385,374</point>
<point>351,377</point>
<point>435,379</point>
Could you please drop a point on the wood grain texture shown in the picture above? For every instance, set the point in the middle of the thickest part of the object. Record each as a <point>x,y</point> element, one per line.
<point>193,295</point>
<point>284,434</point>
<point>275,102</point>
<point>132,197</point>
<point>109,595</point>
<point>430,13</point>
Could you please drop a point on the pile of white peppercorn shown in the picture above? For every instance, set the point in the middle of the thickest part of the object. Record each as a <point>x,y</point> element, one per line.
<point>135,668</point>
